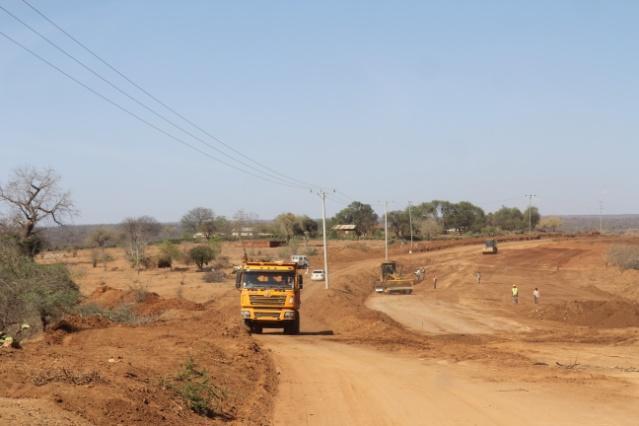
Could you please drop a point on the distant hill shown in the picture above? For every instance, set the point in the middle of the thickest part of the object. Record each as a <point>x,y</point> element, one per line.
<point>611,223</point>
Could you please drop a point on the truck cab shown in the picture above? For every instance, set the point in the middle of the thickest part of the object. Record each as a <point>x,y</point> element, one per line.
<point>270,295</point>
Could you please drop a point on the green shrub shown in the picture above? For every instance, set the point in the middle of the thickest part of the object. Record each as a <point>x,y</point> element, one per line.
<point>201,255</point>
<point>194,386</point>
<point>169,252</point>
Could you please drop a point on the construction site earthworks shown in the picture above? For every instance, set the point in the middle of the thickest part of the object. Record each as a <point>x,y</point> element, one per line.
<point>148,344</point>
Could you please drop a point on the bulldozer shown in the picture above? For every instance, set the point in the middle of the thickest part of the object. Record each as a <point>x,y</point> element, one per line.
<point>490,247</point>
<point>391,282</point>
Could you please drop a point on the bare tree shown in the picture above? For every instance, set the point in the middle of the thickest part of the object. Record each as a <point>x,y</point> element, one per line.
<point>199,219</point>
<point>34,197</point>
<point>138,232</point>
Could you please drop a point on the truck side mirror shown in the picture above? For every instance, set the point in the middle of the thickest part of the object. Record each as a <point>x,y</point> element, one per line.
<point>301,281</point>
<point>238,280</point>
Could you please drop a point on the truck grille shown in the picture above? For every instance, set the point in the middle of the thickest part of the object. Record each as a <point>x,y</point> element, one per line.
<point>267,315</point>
<point>267,301</point>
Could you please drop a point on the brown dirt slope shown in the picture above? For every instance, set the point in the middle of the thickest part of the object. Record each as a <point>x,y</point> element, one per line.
<point>593,313</point>
<point>117,374</point>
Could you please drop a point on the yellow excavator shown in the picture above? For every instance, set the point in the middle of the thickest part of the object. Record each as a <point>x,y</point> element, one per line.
<point>391,282</point>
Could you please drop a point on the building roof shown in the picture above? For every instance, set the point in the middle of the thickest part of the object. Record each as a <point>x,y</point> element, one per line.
<point>344,227</point>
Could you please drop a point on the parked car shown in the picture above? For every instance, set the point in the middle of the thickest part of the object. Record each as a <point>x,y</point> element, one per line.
<point>301,260</point>
<point>317,275</point>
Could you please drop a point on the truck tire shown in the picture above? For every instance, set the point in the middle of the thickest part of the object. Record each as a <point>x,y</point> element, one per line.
<point>293,327</point>
<point>256,328</point>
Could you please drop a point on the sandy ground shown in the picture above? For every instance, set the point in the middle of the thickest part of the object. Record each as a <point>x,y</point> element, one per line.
<point>334,383</point>
<point>36,412</point>
<point>327,383</point>
<point>456,355</point>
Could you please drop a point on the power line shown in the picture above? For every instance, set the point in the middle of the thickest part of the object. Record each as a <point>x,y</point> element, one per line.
<point>142,104</point>
<point>136,116</point>
<point>270,171</point>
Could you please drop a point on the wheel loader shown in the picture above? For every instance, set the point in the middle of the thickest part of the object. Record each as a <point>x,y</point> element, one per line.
<point>391,282</point>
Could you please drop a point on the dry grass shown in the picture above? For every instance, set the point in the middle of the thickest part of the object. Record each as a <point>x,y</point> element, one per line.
<point>625,256</point>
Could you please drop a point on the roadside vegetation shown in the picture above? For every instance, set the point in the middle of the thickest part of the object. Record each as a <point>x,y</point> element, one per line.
<point>32,294</point>
<point>195,387</point>
<point>625,256</point>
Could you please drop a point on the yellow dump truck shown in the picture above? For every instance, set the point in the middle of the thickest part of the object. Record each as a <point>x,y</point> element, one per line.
<point>270,295</point>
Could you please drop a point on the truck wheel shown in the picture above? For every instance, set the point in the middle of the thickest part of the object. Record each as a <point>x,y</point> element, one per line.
<point>256,328</point>
<point>293,327</point>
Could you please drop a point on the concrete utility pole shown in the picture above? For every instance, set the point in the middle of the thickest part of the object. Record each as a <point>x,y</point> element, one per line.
<point>410,224</point>
<point>530,197</point>
<point>322,195</point>
<point>386,231</point>
<point>600,217</point>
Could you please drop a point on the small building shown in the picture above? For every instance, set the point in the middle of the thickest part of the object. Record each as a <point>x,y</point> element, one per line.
<point>245,231</point>
<point>345,230</point>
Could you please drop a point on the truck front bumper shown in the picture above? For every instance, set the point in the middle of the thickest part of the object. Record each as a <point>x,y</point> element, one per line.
<point>268,315</point>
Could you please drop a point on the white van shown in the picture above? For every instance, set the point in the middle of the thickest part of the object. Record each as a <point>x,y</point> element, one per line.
<point>301,260</point>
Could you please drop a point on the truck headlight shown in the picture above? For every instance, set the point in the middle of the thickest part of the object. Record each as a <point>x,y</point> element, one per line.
<point>246,314</point>
<point>289,314</point>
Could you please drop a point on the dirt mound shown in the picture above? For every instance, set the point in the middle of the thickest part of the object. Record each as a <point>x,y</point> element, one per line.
<point>72,324</point>
<point>142,302</point>
<point>593,313</point>
<point>109,297</point>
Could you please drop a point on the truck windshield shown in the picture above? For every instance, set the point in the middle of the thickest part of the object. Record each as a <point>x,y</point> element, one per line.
<point>270,279</point>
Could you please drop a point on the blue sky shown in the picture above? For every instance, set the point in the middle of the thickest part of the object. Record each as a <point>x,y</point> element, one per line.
<point>479,101</point>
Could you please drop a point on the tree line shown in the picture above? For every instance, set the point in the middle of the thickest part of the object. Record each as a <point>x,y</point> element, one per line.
<point>432,218</point>
<point>34,197</point>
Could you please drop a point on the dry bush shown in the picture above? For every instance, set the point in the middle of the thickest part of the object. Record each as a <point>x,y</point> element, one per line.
<point>358,246</point>
<point>625,256</point>
<point>214,277</point>
<point>122,314</point>
<point>30,292</point>
<point>221,262</point>
<point>311,251</point>
<point>164,262</point>
<point>140,290</point>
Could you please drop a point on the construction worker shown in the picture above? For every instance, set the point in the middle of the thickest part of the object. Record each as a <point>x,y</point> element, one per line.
<point>515,291</point>
<point>435,281</point>
<point>536,296</point>
<point>478,277</point>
